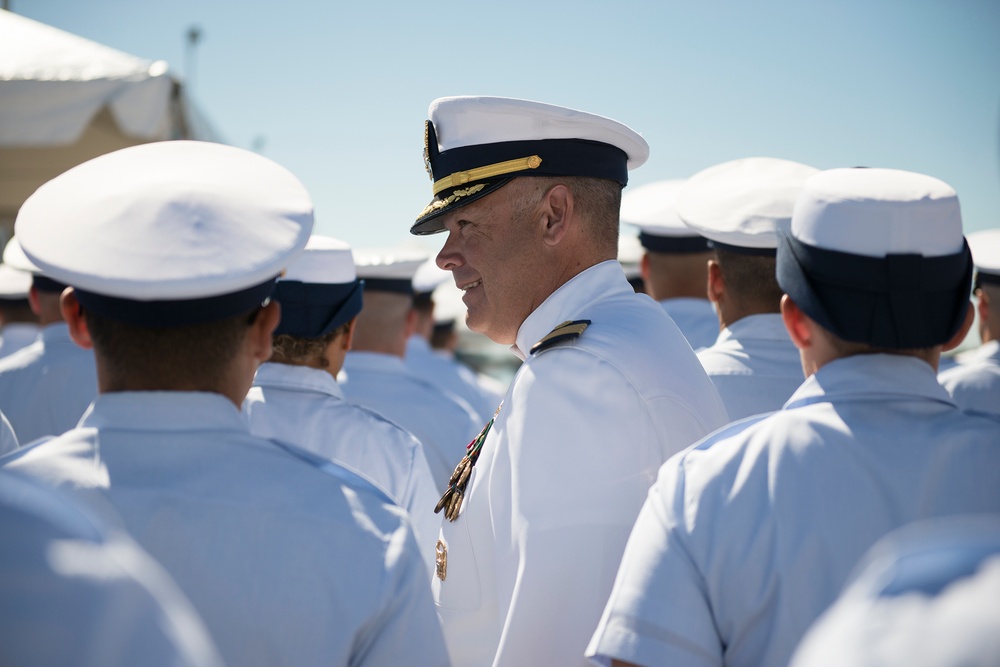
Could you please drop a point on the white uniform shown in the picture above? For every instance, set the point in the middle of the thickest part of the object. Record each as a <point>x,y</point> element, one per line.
<point>449,374</point>
<point>754,365</point>
<point>975,385</point>
<point>927,595</point>
<point>696,318</point>
<point>748,536</point>
<point>287,561</point>
<point>443,423</point>
<point>583,429</point>
<point>74,592</point>
<point>46,387</point>
<point>15,336</point>
<point>8,441</point>
<point>305,407</point>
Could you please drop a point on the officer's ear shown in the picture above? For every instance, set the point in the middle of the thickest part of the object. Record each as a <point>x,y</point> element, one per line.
<point>72,313</point>
<point>797,323</point>
<point>716,282</point>
<point>557,211</point>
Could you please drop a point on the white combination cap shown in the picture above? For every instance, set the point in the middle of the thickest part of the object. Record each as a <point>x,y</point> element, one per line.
<point>390,270</point>
<point>14,259</point>
<point>985,247</point>
<point>741,204</point>
<point>14,283</point>
<point>145,233</point>
<point>651,208</point>
<point>474,145</point>
<point>319,290</point>
<point>877,256</point>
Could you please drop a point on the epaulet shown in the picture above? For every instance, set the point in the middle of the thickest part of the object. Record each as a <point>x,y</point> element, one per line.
<point>565,331</point>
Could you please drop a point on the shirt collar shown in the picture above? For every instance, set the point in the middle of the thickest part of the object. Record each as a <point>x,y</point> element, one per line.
<point>164,411</point>
<point>883,377</point>
<point>591,285</point>
<point>763,326</point>
<point>298,378</point>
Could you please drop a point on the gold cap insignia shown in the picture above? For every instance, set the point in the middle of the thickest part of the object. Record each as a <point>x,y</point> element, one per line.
<point>427,149</point>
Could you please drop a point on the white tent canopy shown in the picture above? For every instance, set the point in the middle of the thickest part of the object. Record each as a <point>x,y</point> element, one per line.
<point>65,99</point>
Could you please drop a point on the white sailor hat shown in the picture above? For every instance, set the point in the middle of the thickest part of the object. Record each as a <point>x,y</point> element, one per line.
<point>319,290</point>
<point>739,205</point>
<point>650,207</point>
<point>388,270</point>
<point>985,247</point>
<point>14,283</point>
<point>474,145</point>
<point>169,233</point>
<point>428,276</point>
<point>877,256</point>
<point>14,258</point>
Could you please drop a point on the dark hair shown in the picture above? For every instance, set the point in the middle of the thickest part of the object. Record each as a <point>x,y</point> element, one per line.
<point>195,355</point>
<point>293,350</point>
<point>750,280</point>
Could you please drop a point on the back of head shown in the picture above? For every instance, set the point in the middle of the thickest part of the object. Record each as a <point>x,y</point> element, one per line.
<point>740,206</point>
<point>876,257</point>
<point>386,319</point>
<point>676,255</point>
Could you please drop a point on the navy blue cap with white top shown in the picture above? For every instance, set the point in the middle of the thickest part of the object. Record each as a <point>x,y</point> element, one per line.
<point>475,145</point>
<point>985,247</point>
<point>877,256</point>
<point>169,233</point>
<point>319,290</point>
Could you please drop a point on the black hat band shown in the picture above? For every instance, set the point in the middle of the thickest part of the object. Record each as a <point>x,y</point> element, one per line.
<point>311,310</point>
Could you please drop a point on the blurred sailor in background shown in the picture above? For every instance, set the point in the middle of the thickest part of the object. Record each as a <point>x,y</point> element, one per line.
<point>376,377</point>
<point>975,383</point>
<point>749,535</point>
<point>18,323</point>
<point>45,387</point>
<point>739,206</point>
<point>295,398</point>
<point>674,265</point>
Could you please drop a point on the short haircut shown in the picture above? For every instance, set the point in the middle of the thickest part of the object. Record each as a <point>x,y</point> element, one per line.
<point>302,351</point>
<point>750,280</point>
<point>196,354</point>
<point>598,201</point>
<point>846,348</point>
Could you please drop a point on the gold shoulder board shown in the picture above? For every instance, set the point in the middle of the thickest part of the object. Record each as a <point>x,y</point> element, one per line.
<point>565,331</point>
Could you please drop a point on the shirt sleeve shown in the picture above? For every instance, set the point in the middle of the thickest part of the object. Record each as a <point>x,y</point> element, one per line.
<point>659,612</point>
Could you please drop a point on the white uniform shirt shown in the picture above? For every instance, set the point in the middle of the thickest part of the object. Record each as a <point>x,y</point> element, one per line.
<point>747,537</point>
<point>287,561</point>
<point>449,374</point>
<point>442,422</point>
<point>754,365</point>
<point>975,385</point>
<point>8,441</point>
<point>305,407</point>
<point>74,592</point>
<point>563,472</point>
<point>46,387</point>
<point>696,318</point>
<point>15,336</point>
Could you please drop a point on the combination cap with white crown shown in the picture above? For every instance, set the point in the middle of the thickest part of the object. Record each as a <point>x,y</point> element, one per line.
<point>14,259</point>
<point>475,145</point>
<point>985,247</point>
<point>319,290</point>
<point>651,208</point>
<point>741,204</point>
<point>877,256</point>
<point>14,283</point>
<point>390,270</point>
<point>169,233</point>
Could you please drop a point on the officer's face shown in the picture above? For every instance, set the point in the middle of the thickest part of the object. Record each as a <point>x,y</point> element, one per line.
<point>492,250</point>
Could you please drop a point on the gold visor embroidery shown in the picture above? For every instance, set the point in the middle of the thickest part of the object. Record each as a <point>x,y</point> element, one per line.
<point>451,199</point>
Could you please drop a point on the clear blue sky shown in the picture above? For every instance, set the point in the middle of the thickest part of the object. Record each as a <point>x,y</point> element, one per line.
<point>339,90</point>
